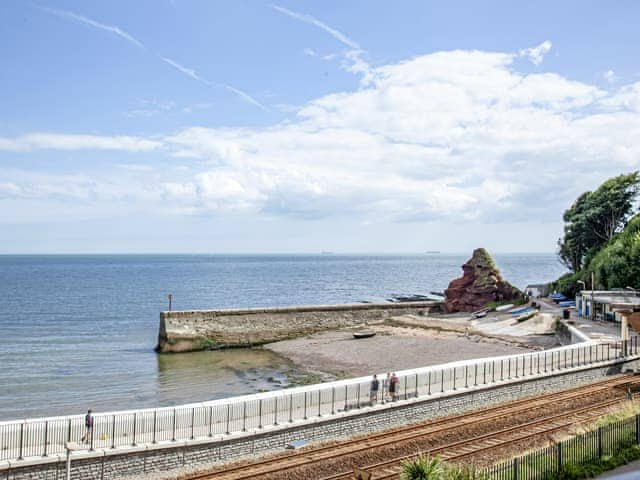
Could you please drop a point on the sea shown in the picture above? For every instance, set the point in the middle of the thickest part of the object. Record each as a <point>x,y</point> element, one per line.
<point>79,331</point>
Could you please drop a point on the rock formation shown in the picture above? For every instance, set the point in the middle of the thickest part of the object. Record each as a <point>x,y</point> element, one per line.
<point>480,284</point>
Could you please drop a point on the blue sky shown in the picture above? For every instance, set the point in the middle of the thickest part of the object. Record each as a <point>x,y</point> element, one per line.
<point>187,126</point>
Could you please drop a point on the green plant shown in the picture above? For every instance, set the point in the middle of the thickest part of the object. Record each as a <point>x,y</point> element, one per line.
<point>467,472</point>
<point>422,468</point>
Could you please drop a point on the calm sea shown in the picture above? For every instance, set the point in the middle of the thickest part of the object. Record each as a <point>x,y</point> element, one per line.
<point>78,331</point>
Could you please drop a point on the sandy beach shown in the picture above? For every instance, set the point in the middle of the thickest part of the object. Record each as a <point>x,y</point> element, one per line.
<point>401,343</point>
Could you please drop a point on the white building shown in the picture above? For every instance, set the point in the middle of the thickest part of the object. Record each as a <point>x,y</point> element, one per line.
<point>606,304</point>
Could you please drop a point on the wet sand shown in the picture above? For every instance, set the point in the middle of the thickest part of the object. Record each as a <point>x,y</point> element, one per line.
<point>395,347</point>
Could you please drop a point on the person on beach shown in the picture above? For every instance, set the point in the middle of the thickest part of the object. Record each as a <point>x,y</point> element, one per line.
<point>375,384</point>
<point>393,386</point>
<point>88,427</point>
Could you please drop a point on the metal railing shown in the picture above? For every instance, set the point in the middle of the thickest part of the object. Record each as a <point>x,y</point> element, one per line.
<point>580,450</point>
<point>226,417</point>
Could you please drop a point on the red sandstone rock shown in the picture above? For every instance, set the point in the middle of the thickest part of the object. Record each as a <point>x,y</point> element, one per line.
<point>480,284</point>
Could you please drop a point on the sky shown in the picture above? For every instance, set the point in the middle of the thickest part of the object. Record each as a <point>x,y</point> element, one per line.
<point>273,127</point>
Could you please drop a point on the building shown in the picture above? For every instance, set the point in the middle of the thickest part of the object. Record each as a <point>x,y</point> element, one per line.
<point>606,304</point>
<point>537,290</point>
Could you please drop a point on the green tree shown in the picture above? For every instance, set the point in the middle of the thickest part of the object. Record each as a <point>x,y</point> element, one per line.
<point>596,217</point>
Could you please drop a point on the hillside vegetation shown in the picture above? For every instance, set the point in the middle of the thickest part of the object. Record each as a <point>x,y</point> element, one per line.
<point>602,236</point>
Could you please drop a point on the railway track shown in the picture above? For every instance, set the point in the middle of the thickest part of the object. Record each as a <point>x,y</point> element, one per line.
<point>322,453</point>
<point>490,441</point>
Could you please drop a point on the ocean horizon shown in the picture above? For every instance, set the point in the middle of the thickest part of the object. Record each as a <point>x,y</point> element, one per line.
<point>79,330</point>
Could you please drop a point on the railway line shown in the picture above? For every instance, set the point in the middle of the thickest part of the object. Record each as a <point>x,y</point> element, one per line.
<point>606,394</point>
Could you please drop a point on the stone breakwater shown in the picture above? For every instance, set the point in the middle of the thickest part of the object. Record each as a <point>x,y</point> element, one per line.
<point>184,331</point>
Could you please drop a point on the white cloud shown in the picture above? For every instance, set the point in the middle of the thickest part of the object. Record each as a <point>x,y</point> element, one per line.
<point>536,54</point>
<point>451,136</point>
<point>56,141</point>
<point>310,52</point>
<point>92,23</point>
<point>610,76</point>
<point>303,17</point>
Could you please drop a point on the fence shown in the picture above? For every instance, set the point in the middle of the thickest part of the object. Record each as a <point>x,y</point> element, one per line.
<point>579,450</point>
<point>221,418</point>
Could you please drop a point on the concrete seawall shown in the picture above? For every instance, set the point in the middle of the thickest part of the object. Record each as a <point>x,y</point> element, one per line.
<point>183,331</point>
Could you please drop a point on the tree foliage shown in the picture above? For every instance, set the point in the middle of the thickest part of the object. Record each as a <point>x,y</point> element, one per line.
<point>596,217</point>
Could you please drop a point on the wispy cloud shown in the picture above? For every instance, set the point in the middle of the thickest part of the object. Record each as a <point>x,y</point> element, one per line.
<point>92,23</point>
<point>190,72</point>
<point>303,17</point>
<point>536,54</point>
<point>59,141</point>
<point>248,98</point>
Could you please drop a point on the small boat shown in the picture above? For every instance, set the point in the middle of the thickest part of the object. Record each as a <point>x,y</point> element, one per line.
<point>480,314</point>
<point>364,334</point>
<point>503,308</point>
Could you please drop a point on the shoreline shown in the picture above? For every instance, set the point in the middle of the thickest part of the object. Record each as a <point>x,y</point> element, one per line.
<point>400,343</point>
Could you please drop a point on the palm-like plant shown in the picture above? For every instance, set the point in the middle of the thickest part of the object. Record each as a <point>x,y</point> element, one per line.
<point>468,472</point>
<point>422,468</point>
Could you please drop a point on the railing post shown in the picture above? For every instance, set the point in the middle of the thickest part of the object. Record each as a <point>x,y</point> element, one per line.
<point>133,440</point>
<point>275,411</point>
<point>493,371</point>
<point>608,351</point>
<point>46,437</point>
<point>260,413</point>
<point>475,375</point>
<point>319,402</point>
<point>21,440</point>
<point>346,394</point>
<point>560,457</point>
<point>509,368</point>
<point>228,432</point>
<point>600,452</point>
<point>429,383</point>
<point>454,378</point>
<point>91,438</point>
<point>210,420</point>
<point>244,416</point>
<point>572,365</point>
<point>333,400</point>
<point>637,429</point>
<point>441,380</point>
<point>69,432</point>
<point>501,369</point>
<point>291,408</point>
<point>545,362</point>
<point>173,434</point>
<point>405,387</point>
<point>466,376</point>
<point>416,385</point>
<point>113,431</point>
<point>516,467</point>
<point>484,373</point>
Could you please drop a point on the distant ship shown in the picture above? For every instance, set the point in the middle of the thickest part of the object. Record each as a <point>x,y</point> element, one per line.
<point>431,252</point>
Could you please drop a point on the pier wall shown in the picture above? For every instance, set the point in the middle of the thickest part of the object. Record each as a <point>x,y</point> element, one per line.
<point>108,464</point>
<point>182,331</point>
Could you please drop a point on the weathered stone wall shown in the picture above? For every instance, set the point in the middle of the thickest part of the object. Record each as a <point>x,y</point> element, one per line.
<point>182,331</point>
<point>111,465</point>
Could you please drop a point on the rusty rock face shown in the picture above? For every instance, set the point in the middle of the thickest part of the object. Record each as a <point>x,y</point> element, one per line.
<point>480,284</point>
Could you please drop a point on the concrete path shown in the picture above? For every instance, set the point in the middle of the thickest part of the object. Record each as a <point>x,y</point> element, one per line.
<point>627,472</point>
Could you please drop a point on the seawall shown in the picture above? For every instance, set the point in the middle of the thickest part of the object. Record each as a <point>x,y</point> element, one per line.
<point>183,331</point>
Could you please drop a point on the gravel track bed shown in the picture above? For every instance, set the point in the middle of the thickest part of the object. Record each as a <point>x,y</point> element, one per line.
<point>401,448</point>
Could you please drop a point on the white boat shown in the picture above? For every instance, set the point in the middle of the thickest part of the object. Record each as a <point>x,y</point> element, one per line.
<point>503,308</point>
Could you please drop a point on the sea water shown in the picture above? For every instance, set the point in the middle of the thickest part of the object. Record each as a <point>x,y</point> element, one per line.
<point>78,331</point>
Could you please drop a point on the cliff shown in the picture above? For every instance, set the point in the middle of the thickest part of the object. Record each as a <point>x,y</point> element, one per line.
<point>480,284</point>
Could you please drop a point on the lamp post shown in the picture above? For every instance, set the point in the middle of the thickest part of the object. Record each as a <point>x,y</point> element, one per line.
<point>584,287</point>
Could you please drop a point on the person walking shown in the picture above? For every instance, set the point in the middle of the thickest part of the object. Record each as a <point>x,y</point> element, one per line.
<point>88,427</point>
<point>393,386</point>
<point>373,394</point>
